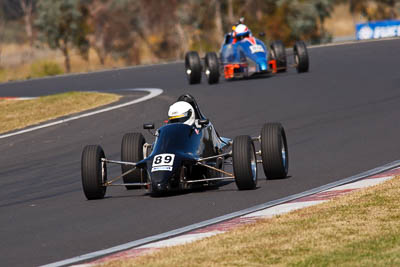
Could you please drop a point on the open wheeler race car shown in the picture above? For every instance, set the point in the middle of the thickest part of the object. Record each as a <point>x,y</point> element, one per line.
<point>183,156</point>
<point>243,55</point>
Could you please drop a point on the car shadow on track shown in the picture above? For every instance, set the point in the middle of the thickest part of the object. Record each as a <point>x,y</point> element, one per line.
<point>219,187</point>
<point>138,193</point>
<point>264,76</point>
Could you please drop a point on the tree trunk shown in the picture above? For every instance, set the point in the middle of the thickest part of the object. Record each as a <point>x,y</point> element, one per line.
<point>102,57</point>
<point>2,24</point>
<point>183,42</point>
<point>99,20</point>
<point>99,46</point>
<point>67,61</point>
<point>231,19</point>
<point>218,20</point>
<point>27,10</point>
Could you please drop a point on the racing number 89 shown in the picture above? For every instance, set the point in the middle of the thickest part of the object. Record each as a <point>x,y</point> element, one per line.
<point>167,159</point>
<point>164,159</point>
<point>158,160</point>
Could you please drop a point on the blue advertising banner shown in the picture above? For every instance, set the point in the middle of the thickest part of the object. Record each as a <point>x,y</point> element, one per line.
<point>378,29</point>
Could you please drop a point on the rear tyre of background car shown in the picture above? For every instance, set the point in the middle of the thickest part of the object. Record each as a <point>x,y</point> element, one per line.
<point>279,54</point>
<point>274,151</point>
<point>301,56</point>
<point>93,172</point>
<point>212,67</point>
<point>132,151</point>
<point>193,67</point>
<point>244,162</point>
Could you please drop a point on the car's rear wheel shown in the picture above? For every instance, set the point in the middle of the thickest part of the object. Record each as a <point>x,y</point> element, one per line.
<point>279,54</point>
<point>274,151</point>
<point>193,67</point>
<point>93,172</point>
<point>212,67</point>
<point>301,56</point>
<point>244,163</point>
<point>132,151</point>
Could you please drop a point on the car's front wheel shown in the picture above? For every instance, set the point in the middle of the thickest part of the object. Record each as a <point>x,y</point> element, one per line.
<point>193,67</point>
<point>274,151</point>
<point>301,56</point>
<point>212,67</point>
<point>244,162</point>
<point>93,172</point>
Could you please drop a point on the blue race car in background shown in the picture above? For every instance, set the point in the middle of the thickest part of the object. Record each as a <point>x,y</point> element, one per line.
<point>244,56</point>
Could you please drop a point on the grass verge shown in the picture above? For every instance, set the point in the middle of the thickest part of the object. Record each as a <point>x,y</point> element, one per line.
<point>22,113</point>
<point>20,62</point>
<point>359,229</point>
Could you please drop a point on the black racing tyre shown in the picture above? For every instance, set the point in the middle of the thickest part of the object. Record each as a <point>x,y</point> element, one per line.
<point>212,67</point>
<point>244,162</point>
<point>93,172</point>
<point>274,151</point>
<point>132,151</point>
<point>301,56</point>
<point>279,54</point>
<point>193,67</point>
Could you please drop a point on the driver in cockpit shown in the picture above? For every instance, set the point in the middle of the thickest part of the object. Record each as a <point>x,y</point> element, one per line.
<point>181,112</point>
<point>185,110</point>
<point>240,32</point>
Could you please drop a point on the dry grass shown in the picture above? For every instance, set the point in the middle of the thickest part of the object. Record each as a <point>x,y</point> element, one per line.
<point>16,61</point>
<point>359,229</point>
<point>341,21</point>
<point>22,113</point>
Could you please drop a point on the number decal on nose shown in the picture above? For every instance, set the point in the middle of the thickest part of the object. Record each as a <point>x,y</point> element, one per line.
<point>163,162</point>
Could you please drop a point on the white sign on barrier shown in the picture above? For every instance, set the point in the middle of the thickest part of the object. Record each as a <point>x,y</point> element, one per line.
<point>378,29</point>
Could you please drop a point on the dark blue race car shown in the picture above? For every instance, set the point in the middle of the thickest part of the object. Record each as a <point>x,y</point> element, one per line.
<point>182,157</point>
<point>242,55</point>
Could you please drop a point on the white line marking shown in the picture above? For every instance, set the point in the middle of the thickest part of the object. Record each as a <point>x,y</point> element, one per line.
<point>180,240</point>
<point>282,208</point>
<point>361,184</point>
<point>153,93</point>
<point>16,98</point>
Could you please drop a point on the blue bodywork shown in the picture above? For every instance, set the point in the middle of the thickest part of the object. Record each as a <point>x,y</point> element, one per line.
<point>250,52</point>
<point>187,144</point>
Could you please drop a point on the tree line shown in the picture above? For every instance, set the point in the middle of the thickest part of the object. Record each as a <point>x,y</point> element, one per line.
<point>169,28</point>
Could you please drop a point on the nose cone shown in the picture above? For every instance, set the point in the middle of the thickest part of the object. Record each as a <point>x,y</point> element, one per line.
<point>160,180</point>
<point>262,65</point>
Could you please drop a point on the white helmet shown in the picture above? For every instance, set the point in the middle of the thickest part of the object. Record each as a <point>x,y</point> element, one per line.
<point>241,31</point>
<point>182,112</point>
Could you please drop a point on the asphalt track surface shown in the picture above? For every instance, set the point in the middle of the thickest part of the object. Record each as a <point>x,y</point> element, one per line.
<point>341,118</point>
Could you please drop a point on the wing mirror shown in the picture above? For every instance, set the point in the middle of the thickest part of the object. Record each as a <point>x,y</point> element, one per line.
<point>148,126</point>
<point>203,122</point>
